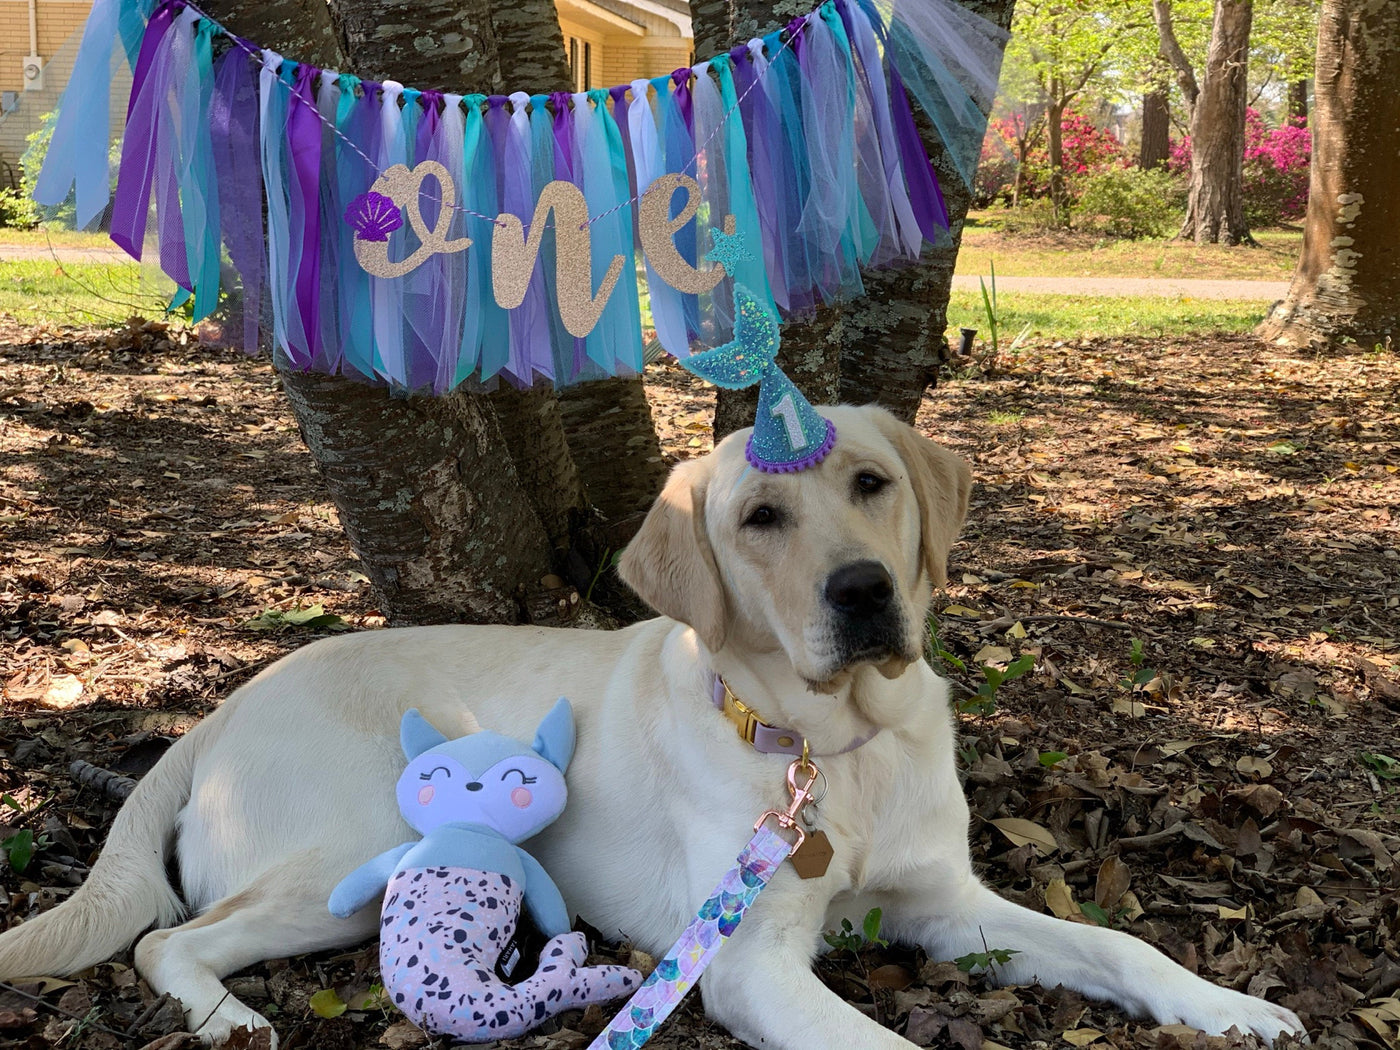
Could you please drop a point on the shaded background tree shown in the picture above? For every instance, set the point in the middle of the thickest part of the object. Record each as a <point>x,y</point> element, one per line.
<point>1058,51</point>
<point>1216,101</point>
<point>1346,288</point>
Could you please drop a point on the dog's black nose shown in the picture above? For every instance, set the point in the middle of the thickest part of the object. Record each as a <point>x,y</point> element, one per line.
<point>862,588</point>
<point>474,786</point>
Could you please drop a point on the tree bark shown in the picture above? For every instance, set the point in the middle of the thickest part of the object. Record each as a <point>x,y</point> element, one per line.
<point>1155,148</point>
<point>890,343</point>
<point>1298,102</point>
<point>431,502</point>
<point>1215,197</point>
<point>613,440</point>
<point>441,44</point>
<point>1055,130</point>
<point>1170,49</point>
<point>1346,289</point>
<point>527,31</point>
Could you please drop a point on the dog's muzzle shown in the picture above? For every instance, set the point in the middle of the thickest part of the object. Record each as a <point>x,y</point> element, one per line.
<point>868,622</point>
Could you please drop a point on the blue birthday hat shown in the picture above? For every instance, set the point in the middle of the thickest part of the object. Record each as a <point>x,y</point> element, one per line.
<point>788,434</point>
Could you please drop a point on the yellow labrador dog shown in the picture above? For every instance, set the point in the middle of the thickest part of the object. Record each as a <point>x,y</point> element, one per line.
<point>805,593</point>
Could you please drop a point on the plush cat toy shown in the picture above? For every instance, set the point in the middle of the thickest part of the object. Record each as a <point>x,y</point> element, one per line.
<point>453,899</point>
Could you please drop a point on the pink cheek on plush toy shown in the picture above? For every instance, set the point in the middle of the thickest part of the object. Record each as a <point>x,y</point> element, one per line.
<point>521,797</point>
<point>425,795</point>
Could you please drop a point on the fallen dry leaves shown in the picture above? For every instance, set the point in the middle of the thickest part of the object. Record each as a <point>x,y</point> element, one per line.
<point>1220,787</point>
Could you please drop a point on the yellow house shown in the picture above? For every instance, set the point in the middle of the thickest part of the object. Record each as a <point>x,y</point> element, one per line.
<point>608,42</point>
<point>612,42</point>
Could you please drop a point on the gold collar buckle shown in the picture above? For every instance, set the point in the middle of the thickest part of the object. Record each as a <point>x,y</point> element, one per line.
<point>745,720</point>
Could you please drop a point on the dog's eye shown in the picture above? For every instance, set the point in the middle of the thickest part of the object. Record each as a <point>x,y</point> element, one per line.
<point>762,517</point>
<point>521,774</point>
<point>867,484</point>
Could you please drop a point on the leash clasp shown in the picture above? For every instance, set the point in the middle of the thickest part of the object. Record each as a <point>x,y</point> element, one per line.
<point>789,818</point>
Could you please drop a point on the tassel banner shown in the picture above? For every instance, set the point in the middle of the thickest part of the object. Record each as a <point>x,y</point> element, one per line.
<point>422,239</point>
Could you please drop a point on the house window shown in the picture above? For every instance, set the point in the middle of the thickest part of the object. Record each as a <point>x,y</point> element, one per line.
<point>581,63</point>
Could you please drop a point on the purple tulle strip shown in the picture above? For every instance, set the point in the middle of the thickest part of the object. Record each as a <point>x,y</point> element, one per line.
<point>131,204</point>
<point>304,150</point>
<point>233,125</point>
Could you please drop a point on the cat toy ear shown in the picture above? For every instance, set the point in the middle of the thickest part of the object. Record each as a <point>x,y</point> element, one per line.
<point>554,740</point>
<point>416,734</point>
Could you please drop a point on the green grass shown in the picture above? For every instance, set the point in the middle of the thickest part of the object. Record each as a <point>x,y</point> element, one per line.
<point>999,417</point>
<point>1055,317</point>
<point>57,238</point>
<point>1072,253</point>
<point>41,290</point>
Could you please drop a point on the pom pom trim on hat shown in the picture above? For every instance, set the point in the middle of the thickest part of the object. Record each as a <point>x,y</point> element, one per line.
<point>792,466</point>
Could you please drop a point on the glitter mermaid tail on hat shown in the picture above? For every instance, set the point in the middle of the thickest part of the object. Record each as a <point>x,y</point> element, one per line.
<point>788,433</point>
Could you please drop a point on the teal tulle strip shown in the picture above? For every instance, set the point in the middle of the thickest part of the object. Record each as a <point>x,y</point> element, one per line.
<point>385,292</point>
<point>615,344</point>
<point>272,125</point>
<point>199,195</point>
<point>749,272</point>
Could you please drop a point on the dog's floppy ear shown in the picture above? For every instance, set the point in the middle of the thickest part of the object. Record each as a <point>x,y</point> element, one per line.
<point>416,734</point>
<point>669,562</point>
<point>942,483</point>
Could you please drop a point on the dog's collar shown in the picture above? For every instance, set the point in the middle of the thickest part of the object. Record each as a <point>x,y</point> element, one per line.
<point>766,739</point>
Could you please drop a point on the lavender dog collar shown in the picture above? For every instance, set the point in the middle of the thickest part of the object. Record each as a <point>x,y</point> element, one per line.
<point>766,739</point>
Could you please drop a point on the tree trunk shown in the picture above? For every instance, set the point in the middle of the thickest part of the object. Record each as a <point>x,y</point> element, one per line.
<point>889,344</point>
<point>1170,49</point>
<point>528,33</point>
<point>1298,102</point>
<point>442,44</point>
<point>1156,144</point>
<point>1215,197</point>
<point>301,28</point>
<point>613,440</point>
<point>1346,289</point>
<point>1055,129</point>
<point>428,497</point>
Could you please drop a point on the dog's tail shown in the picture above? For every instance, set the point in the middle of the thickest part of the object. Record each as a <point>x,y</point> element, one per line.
<point>127,890</point>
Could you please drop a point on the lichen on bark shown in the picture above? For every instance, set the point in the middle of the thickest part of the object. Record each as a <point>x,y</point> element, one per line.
<point>1346,288</point>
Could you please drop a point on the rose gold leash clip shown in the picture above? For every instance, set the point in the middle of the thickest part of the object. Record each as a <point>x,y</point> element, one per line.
<point>801,798</point>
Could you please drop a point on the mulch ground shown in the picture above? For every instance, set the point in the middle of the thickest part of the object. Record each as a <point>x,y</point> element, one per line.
<point>1196,541</point>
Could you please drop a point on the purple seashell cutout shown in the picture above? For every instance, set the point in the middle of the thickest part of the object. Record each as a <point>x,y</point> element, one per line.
<point>373,216</point>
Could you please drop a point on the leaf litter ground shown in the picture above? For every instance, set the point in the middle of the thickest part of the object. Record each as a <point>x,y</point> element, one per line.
<point>1196,541</point>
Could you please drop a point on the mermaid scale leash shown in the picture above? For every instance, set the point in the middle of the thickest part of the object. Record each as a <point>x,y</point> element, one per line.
<point>716,920</point>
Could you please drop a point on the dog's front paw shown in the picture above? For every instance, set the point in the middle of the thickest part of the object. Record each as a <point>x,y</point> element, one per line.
<point>231,1019</point>
<point>1216,1010</point>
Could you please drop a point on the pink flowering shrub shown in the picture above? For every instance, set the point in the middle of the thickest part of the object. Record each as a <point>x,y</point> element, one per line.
<point>1276,162</point>
<point>996,170</point>
<point>1088,149</point>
